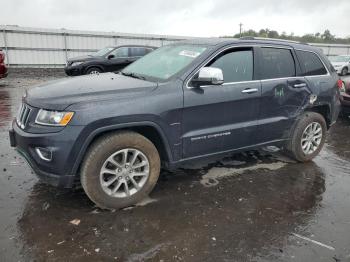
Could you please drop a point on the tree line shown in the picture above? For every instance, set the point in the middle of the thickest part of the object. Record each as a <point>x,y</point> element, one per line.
<point>325,37</point>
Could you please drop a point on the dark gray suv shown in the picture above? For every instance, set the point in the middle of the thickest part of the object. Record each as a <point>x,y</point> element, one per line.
<point>182,102</point>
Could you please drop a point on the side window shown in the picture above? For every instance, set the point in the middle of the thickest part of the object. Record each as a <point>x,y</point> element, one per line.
<point>277,63</point>
<point>311,63</point>
<point>120,52</point>
<point>237,66</point>
<point>137,51</point>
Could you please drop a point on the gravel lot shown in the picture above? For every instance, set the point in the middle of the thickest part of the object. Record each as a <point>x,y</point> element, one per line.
<point>255,206</point>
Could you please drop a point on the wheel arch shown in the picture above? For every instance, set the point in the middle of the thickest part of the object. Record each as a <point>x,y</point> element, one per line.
<point>323,110</point>
<point>149,130</point>
<point>93,65</point>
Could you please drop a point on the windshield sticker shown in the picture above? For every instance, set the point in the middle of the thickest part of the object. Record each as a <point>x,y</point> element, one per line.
<point>188,53</point>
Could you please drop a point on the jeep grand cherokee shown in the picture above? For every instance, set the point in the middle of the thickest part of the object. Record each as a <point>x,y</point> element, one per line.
<point>180,103</point>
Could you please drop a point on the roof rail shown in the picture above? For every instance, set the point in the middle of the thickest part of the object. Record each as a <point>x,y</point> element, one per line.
<point>271,39</point>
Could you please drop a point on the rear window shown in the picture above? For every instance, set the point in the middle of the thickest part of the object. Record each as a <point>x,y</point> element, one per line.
<point>311,63</point>
<point>277,63</point>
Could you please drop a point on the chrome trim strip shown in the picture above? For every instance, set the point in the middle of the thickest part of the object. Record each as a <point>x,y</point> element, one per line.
<point>300,85</point>
<point>239,46</point>
<point>282,78</point>
<point>37,150</point>
<point>23,116</point>
<point>250,91</point>
<point>240,82</point>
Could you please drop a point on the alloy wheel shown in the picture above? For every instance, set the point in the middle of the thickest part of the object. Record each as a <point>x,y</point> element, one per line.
<point>124,173</point>
<point>311,138</point>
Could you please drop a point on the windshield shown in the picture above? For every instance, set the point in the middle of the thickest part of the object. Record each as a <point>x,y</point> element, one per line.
<point>165,62</point>
<point>103,51</point>
<point>339,58</point>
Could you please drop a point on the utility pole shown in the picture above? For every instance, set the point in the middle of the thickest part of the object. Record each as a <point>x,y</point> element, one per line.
<point>240,29</point>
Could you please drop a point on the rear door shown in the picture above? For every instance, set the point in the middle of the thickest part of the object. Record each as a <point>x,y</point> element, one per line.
<point>222,118</point>
<point>284,92</point>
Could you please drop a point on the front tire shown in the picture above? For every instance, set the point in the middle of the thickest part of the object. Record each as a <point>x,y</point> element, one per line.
<point>94,71</point>
<point>344,71</point>
<point>308,137</point>
<point>120,170</point>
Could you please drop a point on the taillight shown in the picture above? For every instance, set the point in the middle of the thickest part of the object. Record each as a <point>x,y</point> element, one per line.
<point>341,85</point>
<point>2,57</point>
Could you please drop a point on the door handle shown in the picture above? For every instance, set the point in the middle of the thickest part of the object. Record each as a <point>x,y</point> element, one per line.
<point>299,85</point>
<point>249,90</point>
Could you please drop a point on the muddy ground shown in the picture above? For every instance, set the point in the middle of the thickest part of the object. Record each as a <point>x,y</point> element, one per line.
<point>255,206</point>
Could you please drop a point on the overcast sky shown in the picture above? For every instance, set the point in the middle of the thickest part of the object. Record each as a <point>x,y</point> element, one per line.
<point>181,17</point>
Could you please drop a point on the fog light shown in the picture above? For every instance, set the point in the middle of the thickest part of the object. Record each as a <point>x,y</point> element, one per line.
<point>44,153</point>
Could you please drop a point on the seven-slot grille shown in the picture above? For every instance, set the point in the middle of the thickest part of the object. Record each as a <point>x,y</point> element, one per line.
<point>23,116</point>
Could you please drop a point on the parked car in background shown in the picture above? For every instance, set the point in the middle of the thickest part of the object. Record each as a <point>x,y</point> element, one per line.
<point>3,68</point>
<point>345,97</point>
<point>108,59</point>
<point>341,64</point>
<point>183,102</point>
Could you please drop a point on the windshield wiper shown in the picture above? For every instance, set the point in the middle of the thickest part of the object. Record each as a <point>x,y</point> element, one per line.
<point>133,75</point>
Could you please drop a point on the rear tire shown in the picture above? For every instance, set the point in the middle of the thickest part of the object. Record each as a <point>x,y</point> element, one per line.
<point>94,71</point>
<point>308,137</point>
<point>111,158</point>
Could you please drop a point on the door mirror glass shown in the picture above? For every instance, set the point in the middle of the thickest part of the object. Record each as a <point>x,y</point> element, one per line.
<point>208,76</point>
<point>110,56</point>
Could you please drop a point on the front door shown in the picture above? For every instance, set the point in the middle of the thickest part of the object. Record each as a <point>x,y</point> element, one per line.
<point>222,118</point>
<point>119,60</point>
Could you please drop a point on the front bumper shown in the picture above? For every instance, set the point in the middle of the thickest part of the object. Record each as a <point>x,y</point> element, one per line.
<point>345,103</point>
<point>58,171</point>
<point>3,71</point>
<point>73,70</point>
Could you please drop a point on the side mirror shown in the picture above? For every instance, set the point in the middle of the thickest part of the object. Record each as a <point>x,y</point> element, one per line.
<point>208,76</point>
<point>110,57</point>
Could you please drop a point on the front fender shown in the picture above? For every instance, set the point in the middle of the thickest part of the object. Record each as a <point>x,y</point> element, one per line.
<point>89,134</point>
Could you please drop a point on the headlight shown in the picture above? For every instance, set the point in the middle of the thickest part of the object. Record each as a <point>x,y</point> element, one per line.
<point>53,118</point>
<point>76,63</point>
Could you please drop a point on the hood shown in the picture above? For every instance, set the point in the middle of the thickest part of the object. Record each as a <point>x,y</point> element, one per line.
<point>338,63</point>
<point>58,95</point>
<point>83,58</point>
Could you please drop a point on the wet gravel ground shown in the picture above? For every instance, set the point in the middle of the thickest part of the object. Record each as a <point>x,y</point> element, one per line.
<point>256,206</point>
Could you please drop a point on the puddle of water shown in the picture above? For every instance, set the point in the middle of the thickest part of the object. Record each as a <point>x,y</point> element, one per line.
<point>149,254</point>
<point>142,203</point>
<point>146,201</point>
<point>215,173</point>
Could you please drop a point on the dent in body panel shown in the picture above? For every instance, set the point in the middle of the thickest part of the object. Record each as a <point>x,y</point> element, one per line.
<point>325,87</point>
<point>281,103</point>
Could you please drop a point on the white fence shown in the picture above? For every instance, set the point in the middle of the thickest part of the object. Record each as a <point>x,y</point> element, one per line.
<point>34,47</point>
<point>333,49</point>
